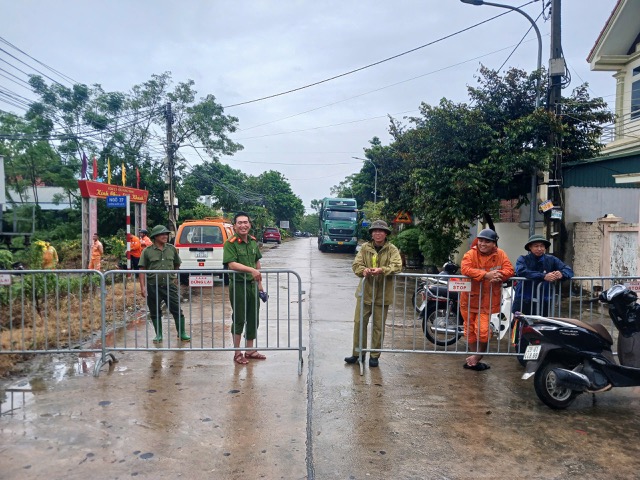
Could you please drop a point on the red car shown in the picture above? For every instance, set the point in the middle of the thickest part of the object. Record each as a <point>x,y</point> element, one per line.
<point>271,234</point>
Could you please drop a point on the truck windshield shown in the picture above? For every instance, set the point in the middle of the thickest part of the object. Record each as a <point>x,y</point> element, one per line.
<point>336,215</point>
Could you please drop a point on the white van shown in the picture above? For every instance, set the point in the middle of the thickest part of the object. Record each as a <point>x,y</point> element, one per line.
<point>199,244</point>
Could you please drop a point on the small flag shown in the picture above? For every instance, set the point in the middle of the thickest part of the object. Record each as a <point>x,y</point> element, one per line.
<point>95,169</point>
<point>137,178</point>
<point>85,165</point>
<point>124,175</point>
<point>109,171</point>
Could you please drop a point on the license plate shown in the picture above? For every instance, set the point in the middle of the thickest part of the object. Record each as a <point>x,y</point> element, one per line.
<point>340,243</point>
<point>532,352</point>
<point>201,254</point>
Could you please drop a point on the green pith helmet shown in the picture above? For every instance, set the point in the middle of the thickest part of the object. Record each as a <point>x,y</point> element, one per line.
<point>157,230</point>
<point>380,225</point>
<point>537,239</point>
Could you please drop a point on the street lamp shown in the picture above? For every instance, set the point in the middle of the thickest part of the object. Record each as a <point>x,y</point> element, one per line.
<point>375,181</point>
<point>534,176</point>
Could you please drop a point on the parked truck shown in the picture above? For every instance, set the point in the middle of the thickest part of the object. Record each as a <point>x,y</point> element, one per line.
<point>338,225</point>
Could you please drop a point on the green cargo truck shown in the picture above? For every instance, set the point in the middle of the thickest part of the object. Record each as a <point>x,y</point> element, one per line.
<point>338,225</point>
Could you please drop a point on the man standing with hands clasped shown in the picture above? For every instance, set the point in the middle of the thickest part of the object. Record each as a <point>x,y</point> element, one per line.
<point>241,253</point>
<point>488,267</point>
<point>376,261</point>
<point>543,272</point>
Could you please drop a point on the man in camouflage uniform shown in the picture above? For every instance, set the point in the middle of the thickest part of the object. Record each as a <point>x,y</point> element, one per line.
<point>241,253</point>
<point>162,287</point>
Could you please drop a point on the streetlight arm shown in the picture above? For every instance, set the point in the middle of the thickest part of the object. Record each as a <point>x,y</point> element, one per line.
<point>534,178</point>
<point>375,181</point>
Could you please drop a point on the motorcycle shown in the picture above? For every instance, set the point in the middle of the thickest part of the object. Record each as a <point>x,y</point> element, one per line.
<point>568,357</point>
<point>442,321</point>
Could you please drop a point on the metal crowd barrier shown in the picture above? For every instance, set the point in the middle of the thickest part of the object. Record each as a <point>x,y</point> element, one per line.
<point>90,313</point>
<point>414,327</point>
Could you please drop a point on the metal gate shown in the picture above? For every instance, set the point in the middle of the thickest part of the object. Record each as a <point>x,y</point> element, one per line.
<point>85,312</point>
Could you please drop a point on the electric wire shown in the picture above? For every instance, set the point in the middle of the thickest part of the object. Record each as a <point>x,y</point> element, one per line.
<point>24,63</point>
<point>62,75</point>
<point>379,62</point>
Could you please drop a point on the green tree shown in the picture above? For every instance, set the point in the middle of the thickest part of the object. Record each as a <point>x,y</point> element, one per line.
<point>316,205</point>
<point>458,160</point>
<point>310,223</point>
<point>125,128</point>
<point>279,199</point>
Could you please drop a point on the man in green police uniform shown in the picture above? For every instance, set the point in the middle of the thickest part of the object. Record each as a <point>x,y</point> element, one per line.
<point>162,287</point>
<point>241,253</point>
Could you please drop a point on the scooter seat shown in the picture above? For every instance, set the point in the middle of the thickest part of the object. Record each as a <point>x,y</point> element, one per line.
<point>439,291</point>
<point>595,328</point>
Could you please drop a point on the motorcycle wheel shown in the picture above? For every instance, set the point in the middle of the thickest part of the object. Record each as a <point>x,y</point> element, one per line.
<point>552,395</point>
<point>437,327</point>
<point>418,297</point>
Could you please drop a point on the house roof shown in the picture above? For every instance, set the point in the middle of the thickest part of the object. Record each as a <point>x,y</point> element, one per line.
<point>617,38</point>
<point>49,198</point>
<point>601,171</point>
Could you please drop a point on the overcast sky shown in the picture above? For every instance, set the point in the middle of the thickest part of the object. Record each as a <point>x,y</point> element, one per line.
<point>244,50</point>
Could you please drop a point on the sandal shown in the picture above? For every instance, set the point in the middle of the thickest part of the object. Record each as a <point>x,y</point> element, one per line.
<point>239,359</point>
<point>478,367</point>
<point>255,355</point>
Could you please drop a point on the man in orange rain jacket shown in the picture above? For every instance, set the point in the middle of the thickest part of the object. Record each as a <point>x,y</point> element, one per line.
<point>488,267</point>
<point>96,253</point>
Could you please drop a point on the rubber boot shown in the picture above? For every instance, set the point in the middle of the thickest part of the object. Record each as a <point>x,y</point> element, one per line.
<point>180,327</point>
<point>157,326</point>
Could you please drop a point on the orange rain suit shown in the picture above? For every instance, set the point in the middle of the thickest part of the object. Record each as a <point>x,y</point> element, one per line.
<point>485,297</point>
<point>96,255</point>
<point>135,250</point>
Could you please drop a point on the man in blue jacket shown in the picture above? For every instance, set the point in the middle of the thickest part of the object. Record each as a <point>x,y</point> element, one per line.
<point>539,268</point>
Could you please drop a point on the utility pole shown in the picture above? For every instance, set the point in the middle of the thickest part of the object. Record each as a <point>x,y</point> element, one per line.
<point>553,178</point>
<point>169,194</point>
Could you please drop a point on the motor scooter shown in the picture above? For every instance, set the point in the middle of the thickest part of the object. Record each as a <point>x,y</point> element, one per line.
<point>568,357</point>
<point>442,321</point>
<point>426,283</point>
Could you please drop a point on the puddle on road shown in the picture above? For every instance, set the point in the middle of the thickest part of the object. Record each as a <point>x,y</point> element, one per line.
<point>13,401</point>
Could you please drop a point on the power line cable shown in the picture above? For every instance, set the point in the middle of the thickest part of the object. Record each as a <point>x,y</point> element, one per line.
<point>62,75</point>
<point>433,42</point>
<point>17,79</point>
<point>24,63</point>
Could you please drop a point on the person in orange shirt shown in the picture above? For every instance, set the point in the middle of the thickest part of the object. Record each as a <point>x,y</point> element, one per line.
<point>145,241</point>
<point>97,251</point>
<point>135,250</point>
<point>488,267</point>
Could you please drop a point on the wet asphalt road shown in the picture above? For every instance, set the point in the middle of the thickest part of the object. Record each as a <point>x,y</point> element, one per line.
<point>198,415</point>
